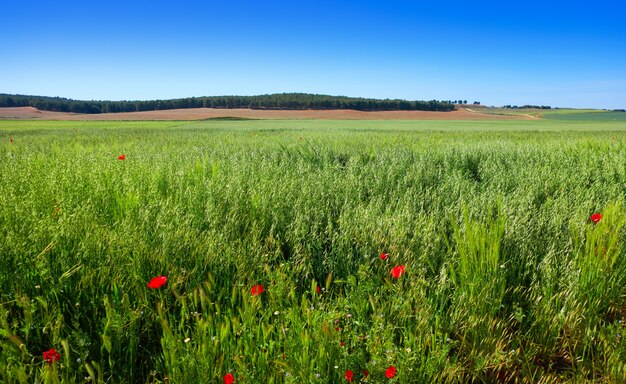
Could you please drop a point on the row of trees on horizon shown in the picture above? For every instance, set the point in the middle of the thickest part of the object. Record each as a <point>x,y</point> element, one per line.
<point>291,101</point>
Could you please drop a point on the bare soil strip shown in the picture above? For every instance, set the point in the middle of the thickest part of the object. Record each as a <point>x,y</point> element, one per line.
<point>29,113</point>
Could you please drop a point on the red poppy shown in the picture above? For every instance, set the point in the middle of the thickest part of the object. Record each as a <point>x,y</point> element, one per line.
<point>349,375</point>
<point>318,289</point>
<point>595,217</point>
<point>384,256</point>
<point>342,343</point>
<point>121,157</point>
<point>257,290</point>
<point>229,378</point>
<point>366,373</point>
<point>391,372</point>
<point>398,271</point>
<point>10,140</point>
<point>157,282</point>
<point>51,355</point>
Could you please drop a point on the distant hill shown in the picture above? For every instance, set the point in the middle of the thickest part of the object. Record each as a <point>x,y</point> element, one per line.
<point>287,101</point>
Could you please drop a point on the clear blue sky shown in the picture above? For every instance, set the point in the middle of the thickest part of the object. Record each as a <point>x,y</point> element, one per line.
<point>567,54</point>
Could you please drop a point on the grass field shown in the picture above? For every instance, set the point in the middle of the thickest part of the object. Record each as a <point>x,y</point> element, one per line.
<point>571,115</point>
<point>588,116</point>
<point>506,278</point>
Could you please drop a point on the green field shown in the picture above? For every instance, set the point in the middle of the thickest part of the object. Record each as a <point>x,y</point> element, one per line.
<point>571,115</point>
<point>587,116</point>
<point>507,278</point>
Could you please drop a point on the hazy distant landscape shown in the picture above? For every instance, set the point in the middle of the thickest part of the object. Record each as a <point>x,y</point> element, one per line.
<point>283,106</point>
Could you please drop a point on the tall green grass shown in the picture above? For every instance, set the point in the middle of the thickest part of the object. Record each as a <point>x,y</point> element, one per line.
<point>507,279</point>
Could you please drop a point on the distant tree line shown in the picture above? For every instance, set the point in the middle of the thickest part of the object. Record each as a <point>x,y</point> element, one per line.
<point>527,107</point>
<point>291,101</point>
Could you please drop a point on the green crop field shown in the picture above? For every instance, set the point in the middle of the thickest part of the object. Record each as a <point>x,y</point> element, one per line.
<point>588,116</point>
<point>270,235</point>
<point>571,115</point>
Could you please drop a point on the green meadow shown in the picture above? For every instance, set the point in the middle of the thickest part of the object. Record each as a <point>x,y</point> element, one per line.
<point>506,279</point>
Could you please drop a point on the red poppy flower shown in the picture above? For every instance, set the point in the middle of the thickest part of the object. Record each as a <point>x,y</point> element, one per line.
<point>318,289</point>
<point>398,271</point>
<point>349,375</point>
<point>342,343</point>
<point>595,217</point>
<point>121,157</point>
<point>391,372</point>
<point>366,373</point>
<point>10,140</point>
<point>51,355</point>
<point>229,378</point>
<point>157,282</point>
<point>384,256</point>
<point>257,290</point>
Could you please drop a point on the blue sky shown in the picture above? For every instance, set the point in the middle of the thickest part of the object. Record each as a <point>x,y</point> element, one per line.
<point>566,54</point>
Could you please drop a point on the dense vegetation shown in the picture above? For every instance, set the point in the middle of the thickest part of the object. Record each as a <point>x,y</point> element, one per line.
<point>275,101</point>
<point>506,278</point>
